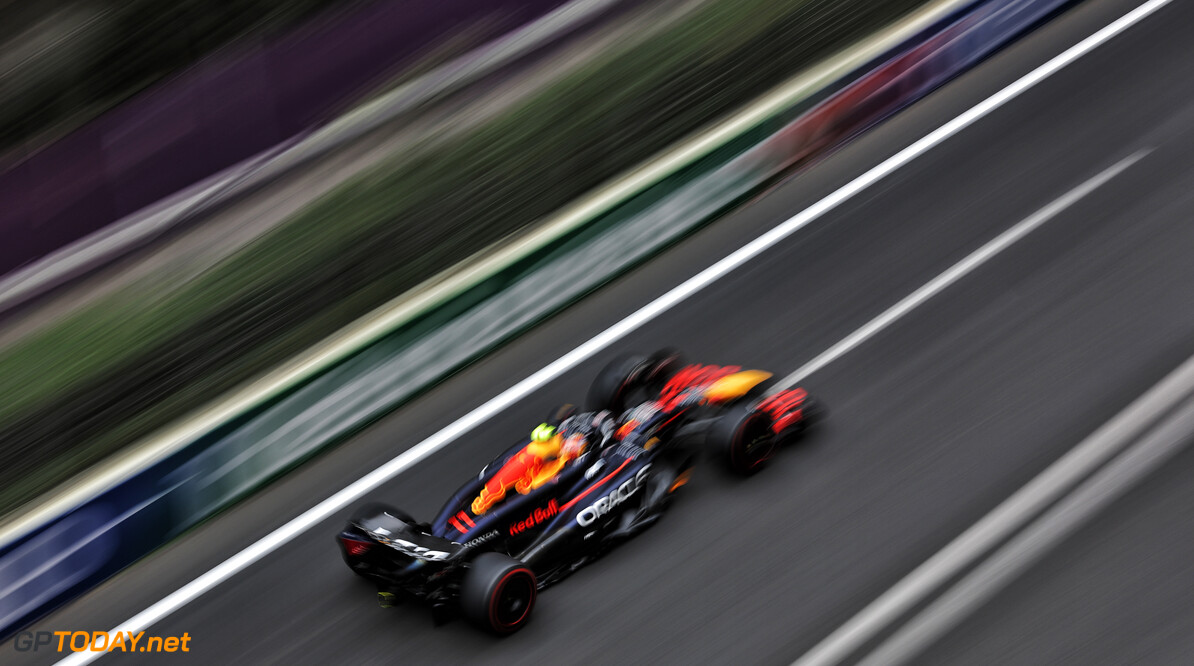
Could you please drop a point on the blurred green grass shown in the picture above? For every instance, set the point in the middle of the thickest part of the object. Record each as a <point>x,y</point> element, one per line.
<point>130,363</point>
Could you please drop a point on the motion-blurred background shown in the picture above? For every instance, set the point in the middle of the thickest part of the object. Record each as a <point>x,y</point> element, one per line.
<point>240,236</point>
<point>461,123</point>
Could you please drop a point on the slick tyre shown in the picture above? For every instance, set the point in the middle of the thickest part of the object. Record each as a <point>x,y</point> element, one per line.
<point>614,384</point>
<point>744,440</point>
<point>498,593</point>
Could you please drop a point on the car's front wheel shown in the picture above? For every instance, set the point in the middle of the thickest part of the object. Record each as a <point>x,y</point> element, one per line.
<point>498,593</point>
<point>744,439</point>
<point>632,378</point>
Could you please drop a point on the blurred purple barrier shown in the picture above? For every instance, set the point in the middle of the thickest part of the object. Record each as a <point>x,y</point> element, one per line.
<point>903,79</point>
<point>219,113</point>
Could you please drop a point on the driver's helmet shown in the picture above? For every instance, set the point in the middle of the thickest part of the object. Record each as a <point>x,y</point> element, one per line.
<point>543,432</point>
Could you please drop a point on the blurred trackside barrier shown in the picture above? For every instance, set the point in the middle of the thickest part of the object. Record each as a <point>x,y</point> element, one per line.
<point>222,111</point>
<point>155,163</point>
<point>46,562</point>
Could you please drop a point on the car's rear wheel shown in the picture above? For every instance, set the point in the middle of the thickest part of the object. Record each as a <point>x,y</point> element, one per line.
<point>498,593</point>
<point>744,439</point>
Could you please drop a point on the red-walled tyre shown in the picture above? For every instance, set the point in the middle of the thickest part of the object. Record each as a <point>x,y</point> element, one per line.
<point>744,440</point>
<point>498,593</point>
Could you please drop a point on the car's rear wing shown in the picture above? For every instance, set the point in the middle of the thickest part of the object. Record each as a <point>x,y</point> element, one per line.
<point>407,538</point>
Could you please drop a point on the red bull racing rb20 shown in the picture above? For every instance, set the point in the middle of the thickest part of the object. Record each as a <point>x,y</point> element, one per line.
<point>582,482</point>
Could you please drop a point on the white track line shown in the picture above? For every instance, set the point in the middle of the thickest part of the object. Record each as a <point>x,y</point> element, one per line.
<point>339,501</point>
<point>1037,540</point>
<point>1004,521</point>
<point>957,271</point>
<point>1049,487</point>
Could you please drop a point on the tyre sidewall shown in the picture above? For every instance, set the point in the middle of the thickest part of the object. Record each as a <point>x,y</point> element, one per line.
<point>487,580</point>
<point>744,440</point>
<point>614,383</point>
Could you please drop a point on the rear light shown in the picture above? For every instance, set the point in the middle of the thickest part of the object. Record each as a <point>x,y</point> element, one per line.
<point>354,547</point>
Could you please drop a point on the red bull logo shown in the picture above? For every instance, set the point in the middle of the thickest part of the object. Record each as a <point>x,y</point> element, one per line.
<point>517,473</point>
<point>536,517</point>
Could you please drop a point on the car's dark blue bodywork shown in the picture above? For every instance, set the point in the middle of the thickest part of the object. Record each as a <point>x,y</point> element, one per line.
<point>617,487</point>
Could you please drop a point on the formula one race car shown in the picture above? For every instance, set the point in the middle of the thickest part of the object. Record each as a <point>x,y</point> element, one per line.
<point>581,484</point>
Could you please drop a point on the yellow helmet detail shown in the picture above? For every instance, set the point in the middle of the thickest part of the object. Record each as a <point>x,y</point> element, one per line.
<point>542,433</point>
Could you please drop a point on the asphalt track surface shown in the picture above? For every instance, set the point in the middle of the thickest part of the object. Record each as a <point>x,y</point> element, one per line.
<point>933,422</point>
